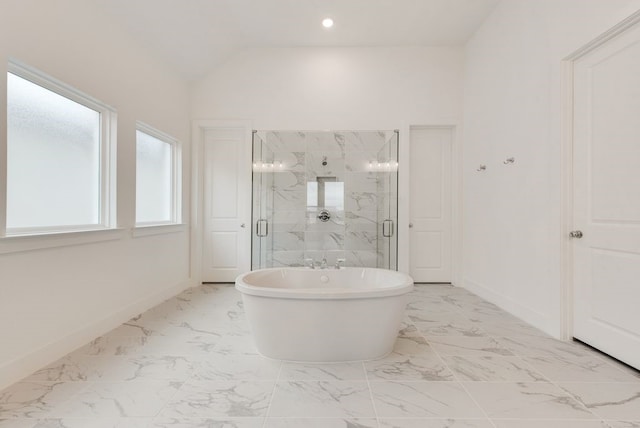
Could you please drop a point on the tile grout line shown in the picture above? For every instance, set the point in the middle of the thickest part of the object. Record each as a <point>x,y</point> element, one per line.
<point>618,365</point>
<point>373,403</point>
<point>273,393</point>
<point>52,384</point>
<point>555,384</point>
<point>453,373</point>
<point>579,401</point>
<point>521,358</point>
<point>165,405</point>
<point>460,310</point>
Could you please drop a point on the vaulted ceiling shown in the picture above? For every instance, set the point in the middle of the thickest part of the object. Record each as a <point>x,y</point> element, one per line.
<point>194,36</point>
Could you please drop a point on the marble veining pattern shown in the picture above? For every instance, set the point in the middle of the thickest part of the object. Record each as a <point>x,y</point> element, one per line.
<point>459,362</point>
<point>320,423</point>
<point>321,399</point>
<point>220,399</point>
<point>608,400</point>
<point>426,399</point>
<point>492,369</point>
<point>526,400</point>
<point>318,372</point>
<point>119,400</point>
<point>435,423</point>
<point>412,359</point>
<point>295,161</point>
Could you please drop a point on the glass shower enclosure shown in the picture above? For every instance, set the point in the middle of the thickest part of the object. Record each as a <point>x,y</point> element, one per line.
<point>325,197</point>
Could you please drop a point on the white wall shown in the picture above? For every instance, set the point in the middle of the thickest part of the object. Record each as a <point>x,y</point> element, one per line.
<point>340,89</point>
<point>53,300</point>
<point>512,86</point>
<point>334,88</point>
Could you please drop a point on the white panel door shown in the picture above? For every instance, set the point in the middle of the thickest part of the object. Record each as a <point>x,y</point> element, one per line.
<point>607,197</point>
<point>430,213</point>
<point>226,251</point>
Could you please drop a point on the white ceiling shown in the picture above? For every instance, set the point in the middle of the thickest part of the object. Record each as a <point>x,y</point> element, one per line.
<point>194,36</point>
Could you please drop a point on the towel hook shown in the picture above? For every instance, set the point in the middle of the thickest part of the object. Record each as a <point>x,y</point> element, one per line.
<point>509,160</point>
<point>481,168</point>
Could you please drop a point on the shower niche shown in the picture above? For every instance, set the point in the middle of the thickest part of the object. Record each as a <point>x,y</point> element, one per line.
<point>325,195</point>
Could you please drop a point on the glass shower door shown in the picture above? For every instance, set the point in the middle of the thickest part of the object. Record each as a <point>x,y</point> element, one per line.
<point>388,203</point>
<point>261,236</point>
<point>325,195</point>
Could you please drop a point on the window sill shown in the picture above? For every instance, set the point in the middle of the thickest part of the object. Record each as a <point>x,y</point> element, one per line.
<point>157,229</point>
<point>20,243</point>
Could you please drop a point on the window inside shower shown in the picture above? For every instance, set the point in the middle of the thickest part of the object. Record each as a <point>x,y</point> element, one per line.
<point>325,195</point>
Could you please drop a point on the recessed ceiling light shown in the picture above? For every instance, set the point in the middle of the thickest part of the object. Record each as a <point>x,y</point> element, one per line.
<point>327,23</point>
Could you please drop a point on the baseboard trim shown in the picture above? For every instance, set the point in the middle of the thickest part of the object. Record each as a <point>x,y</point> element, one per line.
<point>537,319</point>
<point>22,367</point>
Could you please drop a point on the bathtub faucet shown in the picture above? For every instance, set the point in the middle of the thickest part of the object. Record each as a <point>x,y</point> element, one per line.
<point>312,264</point>
<point>338,261</point>
<point>323,263</point>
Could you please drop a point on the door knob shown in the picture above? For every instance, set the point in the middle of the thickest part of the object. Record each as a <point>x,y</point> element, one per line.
<point>410,225</point>
<point>576,234</point>
<point>243,225</point>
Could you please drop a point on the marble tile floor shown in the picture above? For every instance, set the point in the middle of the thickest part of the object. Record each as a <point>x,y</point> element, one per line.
<point>459,362</point>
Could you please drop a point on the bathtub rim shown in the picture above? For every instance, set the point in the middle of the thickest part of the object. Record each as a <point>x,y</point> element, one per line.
<point>328,293</point>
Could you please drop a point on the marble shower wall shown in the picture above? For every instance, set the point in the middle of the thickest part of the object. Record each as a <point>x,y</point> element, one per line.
<point>354,230</point>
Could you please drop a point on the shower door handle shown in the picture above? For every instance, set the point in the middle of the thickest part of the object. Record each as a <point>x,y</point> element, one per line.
<point>387,228</point>
<point>262,228</point>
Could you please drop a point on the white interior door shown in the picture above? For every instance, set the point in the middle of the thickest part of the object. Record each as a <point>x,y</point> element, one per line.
<point>430,212</point>
<point>607,197</point>
<point>226,251</point>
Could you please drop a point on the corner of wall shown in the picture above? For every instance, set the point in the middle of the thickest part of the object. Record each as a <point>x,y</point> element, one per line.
<point>19,368</point>
<point>539,320</point>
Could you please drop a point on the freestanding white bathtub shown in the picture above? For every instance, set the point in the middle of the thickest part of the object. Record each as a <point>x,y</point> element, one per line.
<point>324,315</point>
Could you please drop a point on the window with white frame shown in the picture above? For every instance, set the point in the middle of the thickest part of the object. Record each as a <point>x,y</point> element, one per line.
<point>158,187</point>
<point>60,156</point>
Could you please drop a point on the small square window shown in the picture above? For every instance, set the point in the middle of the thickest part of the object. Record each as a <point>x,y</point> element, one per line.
<point>158,189</point>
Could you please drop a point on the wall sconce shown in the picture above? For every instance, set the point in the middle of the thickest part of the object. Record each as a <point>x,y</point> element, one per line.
<point>382,166</point>
<point>268,166</point>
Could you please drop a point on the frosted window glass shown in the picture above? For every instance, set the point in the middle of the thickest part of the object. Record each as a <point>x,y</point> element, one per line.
<point>53,159</point>
<point>153,179</point>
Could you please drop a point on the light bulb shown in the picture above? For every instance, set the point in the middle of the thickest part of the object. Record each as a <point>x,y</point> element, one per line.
<point>327,23</point>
